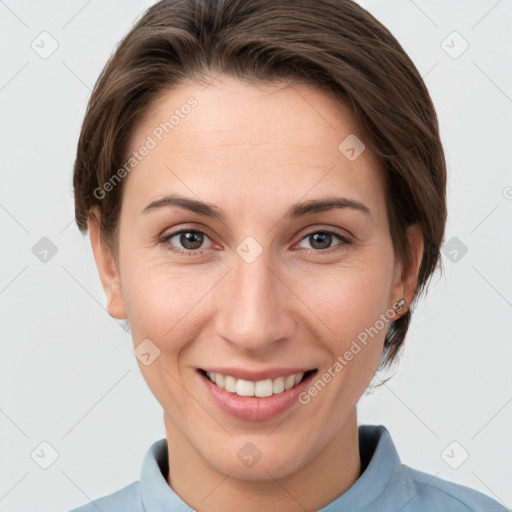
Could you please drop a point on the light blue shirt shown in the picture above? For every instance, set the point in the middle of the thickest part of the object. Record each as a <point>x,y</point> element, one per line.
<point>386,485</point>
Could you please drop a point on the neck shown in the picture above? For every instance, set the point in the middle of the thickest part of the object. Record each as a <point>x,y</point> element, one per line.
<point>310,488</point>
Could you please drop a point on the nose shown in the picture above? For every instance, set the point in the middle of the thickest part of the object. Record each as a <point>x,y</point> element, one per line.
<point>255,306</point>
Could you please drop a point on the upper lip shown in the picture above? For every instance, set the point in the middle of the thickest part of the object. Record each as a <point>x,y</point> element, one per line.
<point>255,376</point>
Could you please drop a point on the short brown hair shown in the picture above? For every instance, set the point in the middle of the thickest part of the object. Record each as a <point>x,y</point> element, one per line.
<point>332,44</point>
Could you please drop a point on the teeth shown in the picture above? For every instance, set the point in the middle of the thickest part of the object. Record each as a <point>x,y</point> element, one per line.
<point>289,382</point>
<point>264,388</point>
<point>219,380</point>
<point>278,385</point>
<point>244,388</point>
<point>261,389</point>
<point>230,384</point>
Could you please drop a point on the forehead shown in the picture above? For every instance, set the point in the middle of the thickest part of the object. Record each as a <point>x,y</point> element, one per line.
<point>266,143</point>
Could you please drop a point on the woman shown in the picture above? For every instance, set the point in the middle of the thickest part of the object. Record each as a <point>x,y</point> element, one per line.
<point>263,183</point>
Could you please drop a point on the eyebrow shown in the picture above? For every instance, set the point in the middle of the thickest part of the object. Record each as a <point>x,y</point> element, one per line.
<point>295,211</point>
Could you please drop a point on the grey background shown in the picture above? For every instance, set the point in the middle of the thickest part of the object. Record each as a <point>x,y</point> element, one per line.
<point>68,374</point>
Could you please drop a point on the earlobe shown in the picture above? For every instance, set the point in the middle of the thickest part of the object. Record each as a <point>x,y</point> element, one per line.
<point>107,269</point>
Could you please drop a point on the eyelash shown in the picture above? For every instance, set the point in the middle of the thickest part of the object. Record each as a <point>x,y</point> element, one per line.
<point>199,252</point>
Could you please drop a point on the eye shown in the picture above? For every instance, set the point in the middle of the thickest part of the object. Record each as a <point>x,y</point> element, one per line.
<point>321,240</point>
<point>190,239</point>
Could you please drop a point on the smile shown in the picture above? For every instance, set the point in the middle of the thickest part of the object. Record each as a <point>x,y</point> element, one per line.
<point>261,388</point>
<point>255,396</point>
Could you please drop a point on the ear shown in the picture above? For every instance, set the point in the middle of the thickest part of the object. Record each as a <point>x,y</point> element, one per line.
<point>406,279</point>
<point>107,268</point>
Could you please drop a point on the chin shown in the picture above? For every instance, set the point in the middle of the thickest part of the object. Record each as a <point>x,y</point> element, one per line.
<point>247,462</point>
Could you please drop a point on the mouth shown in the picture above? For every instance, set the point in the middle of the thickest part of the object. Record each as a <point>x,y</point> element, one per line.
<point>261,388</point>
<point>258,399</point>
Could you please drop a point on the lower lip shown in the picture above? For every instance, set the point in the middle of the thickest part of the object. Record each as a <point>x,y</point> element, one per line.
<point>253,408</point>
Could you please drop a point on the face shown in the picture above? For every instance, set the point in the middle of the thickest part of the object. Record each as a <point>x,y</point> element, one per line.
<point>259,284</point>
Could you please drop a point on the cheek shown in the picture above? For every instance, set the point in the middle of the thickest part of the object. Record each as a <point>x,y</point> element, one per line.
<point>164,306</point>
<point>349,301</point>
<point>163,302</point>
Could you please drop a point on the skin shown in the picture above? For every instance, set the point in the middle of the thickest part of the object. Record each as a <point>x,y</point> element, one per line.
<point>254,151</point>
